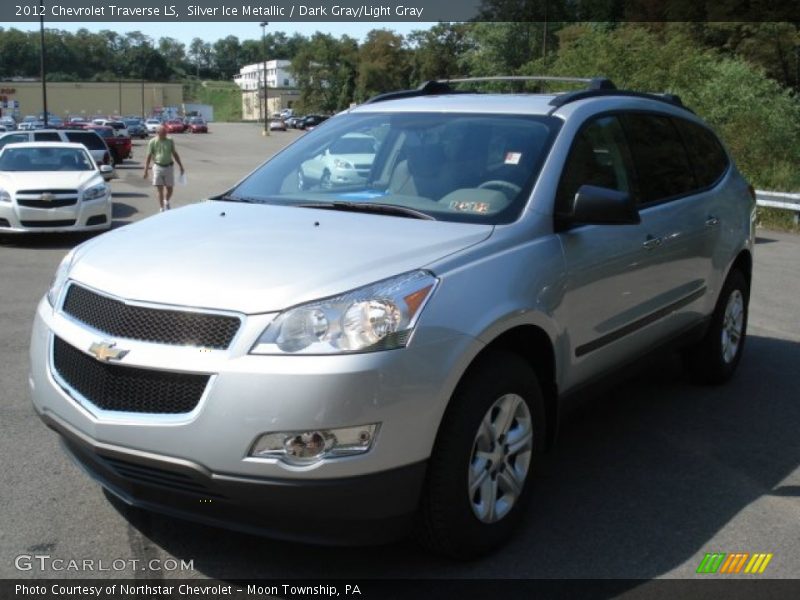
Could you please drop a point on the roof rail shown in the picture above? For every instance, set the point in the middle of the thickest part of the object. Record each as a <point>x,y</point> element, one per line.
<point>563,99</point>
<point>428,88</point>
<point>592,83</point>
<point>442,86</point>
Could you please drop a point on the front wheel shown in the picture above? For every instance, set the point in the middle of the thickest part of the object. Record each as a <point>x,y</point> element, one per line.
<point>715,358</point>
<point>492,436</point>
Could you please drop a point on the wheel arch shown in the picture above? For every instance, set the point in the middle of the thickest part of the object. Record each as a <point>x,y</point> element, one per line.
<point>744,263</point>
<point>534,345</point>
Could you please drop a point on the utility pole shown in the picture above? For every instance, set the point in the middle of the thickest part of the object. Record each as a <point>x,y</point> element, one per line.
<point>42,63</point>
<point>266,84</point>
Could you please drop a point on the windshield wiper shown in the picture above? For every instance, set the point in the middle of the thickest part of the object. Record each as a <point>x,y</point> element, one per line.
<point>371,207</point>
<point>245,199</point>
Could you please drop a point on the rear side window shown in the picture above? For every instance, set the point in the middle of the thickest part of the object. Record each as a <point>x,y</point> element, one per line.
<point>90,140</point>
<point>662,165</point>
<point>705,152</point>
<point>14,138</point>
<point>48,136</point>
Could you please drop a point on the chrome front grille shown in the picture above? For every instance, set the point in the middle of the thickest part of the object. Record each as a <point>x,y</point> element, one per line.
<point>47,198</point>
<point>163,326</point>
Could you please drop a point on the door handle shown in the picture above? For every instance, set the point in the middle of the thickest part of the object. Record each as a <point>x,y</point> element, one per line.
<point>712,221</point>
<point>651,242</point>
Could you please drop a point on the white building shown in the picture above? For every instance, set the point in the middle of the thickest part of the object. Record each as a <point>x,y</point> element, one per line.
<point>250,77</point>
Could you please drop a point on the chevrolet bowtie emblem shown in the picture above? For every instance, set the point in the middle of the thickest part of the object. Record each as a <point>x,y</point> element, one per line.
<point>105,352</point>
<point>47,197</point>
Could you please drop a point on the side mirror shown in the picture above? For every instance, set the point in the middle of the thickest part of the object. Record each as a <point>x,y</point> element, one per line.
<point>602,206</point>
<point>106,169</point>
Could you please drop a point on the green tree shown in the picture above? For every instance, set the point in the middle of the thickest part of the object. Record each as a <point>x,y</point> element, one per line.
<point>174,53</point>
<point>383,64</point>
<point>20,54</point>
<point>227,56</point>
<point>323,67</point>
<point>200,53</point>
<point>436,52</point>
<point>757,119</point>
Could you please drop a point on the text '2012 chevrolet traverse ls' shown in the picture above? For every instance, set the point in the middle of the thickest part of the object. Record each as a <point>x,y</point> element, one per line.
<point>342,362</point>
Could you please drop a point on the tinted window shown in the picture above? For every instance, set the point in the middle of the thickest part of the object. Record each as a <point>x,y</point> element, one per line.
<point>13,138</point>
<point>49,136</point>
<point>705,152</point>
<point>662,166</point>
<point>90,140</point>
<point>600,157</point>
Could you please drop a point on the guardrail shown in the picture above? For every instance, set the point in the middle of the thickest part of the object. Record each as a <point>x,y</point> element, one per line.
<point>782,200</point>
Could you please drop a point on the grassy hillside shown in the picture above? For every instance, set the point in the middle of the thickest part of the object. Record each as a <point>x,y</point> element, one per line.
<point>224,96</point>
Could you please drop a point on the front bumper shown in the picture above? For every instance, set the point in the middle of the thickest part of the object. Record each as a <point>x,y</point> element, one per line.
<point>93,215</point>
<point>354,510</point>
<point>405,391</point>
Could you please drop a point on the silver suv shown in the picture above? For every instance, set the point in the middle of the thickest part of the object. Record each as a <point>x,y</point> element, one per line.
<point>350,360</point>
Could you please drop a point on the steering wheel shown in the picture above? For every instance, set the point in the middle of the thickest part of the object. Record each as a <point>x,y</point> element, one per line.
<point>502,186</point>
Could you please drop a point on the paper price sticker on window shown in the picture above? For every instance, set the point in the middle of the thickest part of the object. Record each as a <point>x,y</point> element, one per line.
<point>475,207</point>
<point>513,158</point>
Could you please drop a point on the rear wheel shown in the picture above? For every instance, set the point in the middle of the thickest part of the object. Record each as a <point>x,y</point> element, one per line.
<point>489,442</point>
<point>715,358</point>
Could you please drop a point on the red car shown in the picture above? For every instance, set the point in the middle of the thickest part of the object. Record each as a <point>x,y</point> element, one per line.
<point>197,125</point>
<point>120,147</point>
<point>175,126</point>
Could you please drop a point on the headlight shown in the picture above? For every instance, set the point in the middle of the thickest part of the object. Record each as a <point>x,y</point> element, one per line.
<point>4,196</point>
<point>342,164</point>
<point>60,278</point>
<point>95,192</point>
<point>380,316</point>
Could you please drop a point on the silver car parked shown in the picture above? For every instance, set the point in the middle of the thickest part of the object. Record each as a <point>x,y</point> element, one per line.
<point>348,362</point>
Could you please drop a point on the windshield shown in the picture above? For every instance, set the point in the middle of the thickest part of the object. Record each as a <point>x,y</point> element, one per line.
<point>45,159</point>
<point>474,168</point>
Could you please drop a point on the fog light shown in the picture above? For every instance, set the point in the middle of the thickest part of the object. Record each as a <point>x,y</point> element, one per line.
<point>306,447</point>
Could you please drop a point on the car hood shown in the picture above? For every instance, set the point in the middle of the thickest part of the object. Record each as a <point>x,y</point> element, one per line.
<point>261,258</point>
<point>45,180</point>
<point>355,158</point>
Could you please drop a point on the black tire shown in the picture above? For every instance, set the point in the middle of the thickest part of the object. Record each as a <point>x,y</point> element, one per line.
<point>447,524</point>
<point>706,360</point>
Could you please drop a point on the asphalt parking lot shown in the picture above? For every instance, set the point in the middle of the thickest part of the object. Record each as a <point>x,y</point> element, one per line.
<point>643,482</point>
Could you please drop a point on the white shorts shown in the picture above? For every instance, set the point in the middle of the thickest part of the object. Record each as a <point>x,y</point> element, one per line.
<point>164,175</point>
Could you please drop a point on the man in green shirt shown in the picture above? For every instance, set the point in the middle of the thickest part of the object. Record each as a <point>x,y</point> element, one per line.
<point>161,151</point>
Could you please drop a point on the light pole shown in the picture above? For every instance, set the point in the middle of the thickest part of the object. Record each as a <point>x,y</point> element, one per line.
<point>42,68</point>
<point>266,85</point>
